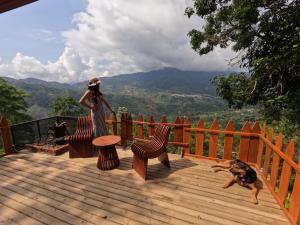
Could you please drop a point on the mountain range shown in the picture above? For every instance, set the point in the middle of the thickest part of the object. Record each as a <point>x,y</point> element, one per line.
<point>168,91</point>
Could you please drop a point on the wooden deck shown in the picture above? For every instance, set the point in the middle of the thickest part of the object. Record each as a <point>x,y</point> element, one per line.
<point>38,189</point>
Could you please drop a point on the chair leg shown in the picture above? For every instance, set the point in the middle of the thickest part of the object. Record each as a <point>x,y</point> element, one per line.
<point>164,159</point>
<point>140,166</point>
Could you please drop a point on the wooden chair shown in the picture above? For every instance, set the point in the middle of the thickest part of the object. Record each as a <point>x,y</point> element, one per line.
<point>80,143</point>
<point>156,147</point>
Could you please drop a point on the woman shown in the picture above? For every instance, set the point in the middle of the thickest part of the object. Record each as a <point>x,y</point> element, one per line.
<point>94,100</point>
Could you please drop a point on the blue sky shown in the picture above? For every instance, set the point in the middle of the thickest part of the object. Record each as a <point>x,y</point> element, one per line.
<point>35,29</point>
<point>72,40</point>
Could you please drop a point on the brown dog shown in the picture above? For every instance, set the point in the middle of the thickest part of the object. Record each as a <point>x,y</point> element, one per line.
<point>243,174</point>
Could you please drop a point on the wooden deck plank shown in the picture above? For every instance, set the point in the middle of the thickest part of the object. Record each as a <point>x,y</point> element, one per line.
<point>30,211</point>
<point>102,195</point>
<point>11,216</point>
<point>85,177</point>
<point>189,193</point>
<point>239,198</point>
<point>44,198</point>
<point>206,184</point>
<point>251,205</point>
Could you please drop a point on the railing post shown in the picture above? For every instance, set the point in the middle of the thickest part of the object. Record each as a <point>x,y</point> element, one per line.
<point>140,134</point>
<point>286,172</point>
<point>114,124</point>
<point>39,129</point>
<point>228,141</point>
<point>275,162</point>
<point>151,126</point>
<point>244,143</point>
<point>129,124</point>
<point>268,154</point>
<point>213,139</point>
<point>164,120</point>
<point>186,137</point>
<point>199,138</point>
<point>253,145</point>
<point>178,131</point>
<point>294,209</point>
<point>261,146</point>
<point>123,130</point>
<point>6,136</point>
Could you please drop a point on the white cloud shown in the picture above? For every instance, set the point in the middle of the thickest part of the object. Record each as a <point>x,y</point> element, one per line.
<point>116,36</point>
<point>43,34</point>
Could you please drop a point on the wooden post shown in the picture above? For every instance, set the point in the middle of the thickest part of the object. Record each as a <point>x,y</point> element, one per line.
<point>129,124</point>
<point>140,120</point>
<point>213,140</point>
<point>261,146</point>
<point>275,163</point>
<point>244,143</point>
<point>286,172</point>
<point>228,141</point>
<point>178,131</point>
<point>114,123</point>
<point>6,136</point>
<point>294,209</point>
<point>253,145</point>
<point>186,137</point>
<point>199,138</point>
<point>123,130</point>
<point>164,119</point>
<point>268,154</point>
<point>151,126</point>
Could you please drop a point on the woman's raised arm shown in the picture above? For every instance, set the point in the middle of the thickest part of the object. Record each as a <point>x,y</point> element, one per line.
<point>83,99</point>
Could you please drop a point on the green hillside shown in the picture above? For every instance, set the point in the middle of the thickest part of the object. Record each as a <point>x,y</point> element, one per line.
<point>168,92</point>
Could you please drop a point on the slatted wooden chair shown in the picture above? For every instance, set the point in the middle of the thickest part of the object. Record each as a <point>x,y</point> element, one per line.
<point>156,147</point>
<point>80,143</point>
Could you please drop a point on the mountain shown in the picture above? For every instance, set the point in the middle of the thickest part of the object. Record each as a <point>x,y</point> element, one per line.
<point>166,80</point>
<point>167,91</point>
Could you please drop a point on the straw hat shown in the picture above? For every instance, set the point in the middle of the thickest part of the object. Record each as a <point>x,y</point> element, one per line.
<point>94,81</point>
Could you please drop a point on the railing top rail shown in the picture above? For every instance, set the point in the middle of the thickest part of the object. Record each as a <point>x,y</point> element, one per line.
<point>45,118</point>
<point>239,133</point>
<point>281,154</point>
<point>266,141</point>
<point>68,117</point>
<point>157,123</point>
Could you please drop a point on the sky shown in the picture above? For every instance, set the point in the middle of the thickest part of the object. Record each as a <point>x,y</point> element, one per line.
<point>73,40</point>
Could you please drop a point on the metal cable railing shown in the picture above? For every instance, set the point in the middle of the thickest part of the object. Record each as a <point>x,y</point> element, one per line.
<point>36,131</point>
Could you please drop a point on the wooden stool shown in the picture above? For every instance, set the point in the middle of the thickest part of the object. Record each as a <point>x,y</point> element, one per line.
<point>108,158</point>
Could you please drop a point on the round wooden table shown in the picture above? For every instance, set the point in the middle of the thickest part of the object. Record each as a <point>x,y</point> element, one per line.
<point>108,158</point>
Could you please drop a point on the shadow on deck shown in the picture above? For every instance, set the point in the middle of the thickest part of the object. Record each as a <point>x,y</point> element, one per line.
<point>40,189</point>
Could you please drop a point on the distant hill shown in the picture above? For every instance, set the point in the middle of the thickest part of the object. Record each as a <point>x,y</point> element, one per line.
<point>167,91</point>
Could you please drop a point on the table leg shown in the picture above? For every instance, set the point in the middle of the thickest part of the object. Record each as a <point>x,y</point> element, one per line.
<point>108,158</point>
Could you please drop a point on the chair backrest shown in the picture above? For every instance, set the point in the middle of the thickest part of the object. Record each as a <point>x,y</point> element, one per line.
<point>84,130</point>
<point>84,125</point>
<point>161,135</point>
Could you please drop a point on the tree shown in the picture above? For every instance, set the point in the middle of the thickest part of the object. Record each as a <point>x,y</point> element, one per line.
<point>66,106</point>
<point>266,36</point>
<point>12,102</point>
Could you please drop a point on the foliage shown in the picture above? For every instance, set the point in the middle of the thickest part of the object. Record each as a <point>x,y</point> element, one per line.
<point>266,33</point>
<point>66,106</point>
<point>13,104</point>
<point>120,111</point>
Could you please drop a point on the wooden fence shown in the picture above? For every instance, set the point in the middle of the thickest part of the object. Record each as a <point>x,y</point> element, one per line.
<point>5,135</point>
<point>255,146</point>
<point>252,144</point>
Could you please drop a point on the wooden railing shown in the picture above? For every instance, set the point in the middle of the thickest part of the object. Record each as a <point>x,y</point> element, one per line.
<point>252,144</point>
<point>5,135</point>
<point>275,165</point>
